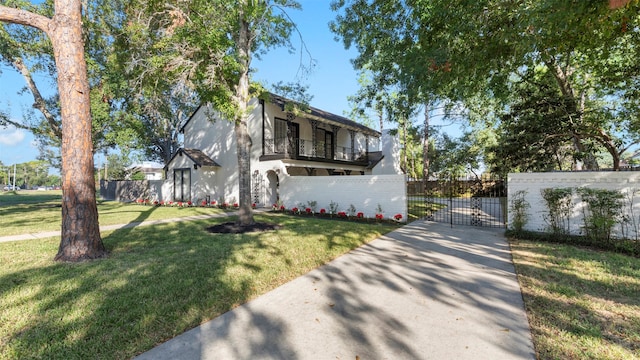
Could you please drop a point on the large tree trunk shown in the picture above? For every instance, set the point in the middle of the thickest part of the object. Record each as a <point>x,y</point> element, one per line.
<point>575,107</point>
<point>242,131</point>
<point>80,229</point>
<point>425,145</point>
<point>425,153</point>
<point>80,238</point>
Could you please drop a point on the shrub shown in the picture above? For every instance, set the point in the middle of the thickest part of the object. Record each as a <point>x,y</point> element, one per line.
<point>352,210</point>
<point>519,208</point>
<point>333,207</point>
<point>603,210</point>
<point>559,208</point>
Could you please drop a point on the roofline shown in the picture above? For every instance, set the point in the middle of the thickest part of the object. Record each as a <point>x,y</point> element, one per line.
<point>340,120</point>
<point>189,119</point>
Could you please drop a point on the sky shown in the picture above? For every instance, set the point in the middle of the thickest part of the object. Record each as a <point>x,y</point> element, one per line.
<point>331,82</point>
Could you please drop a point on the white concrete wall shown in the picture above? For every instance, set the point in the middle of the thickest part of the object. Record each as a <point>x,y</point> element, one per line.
<point>364,192</point>
<point>390,163</point>
<point>533,183</point>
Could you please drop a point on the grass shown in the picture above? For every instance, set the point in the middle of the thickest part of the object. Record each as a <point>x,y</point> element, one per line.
<point>158,282</point>
<point>581,303</point>
<point>38,211</point>
<point>418,208</point>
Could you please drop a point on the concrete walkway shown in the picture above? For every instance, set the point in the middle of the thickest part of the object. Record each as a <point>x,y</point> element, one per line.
<point>424,291</point>
<point>48,234</point>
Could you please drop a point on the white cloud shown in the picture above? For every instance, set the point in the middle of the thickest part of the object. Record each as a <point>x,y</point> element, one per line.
<point>11,136</point>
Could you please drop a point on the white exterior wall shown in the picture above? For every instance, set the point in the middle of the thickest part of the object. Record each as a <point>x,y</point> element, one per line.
<point>364,192</point>
<point>390,163</point>
<point>533,183</point>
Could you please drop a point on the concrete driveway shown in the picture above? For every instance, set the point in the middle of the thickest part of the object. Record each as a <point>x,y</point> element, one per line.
<point>424,291</point>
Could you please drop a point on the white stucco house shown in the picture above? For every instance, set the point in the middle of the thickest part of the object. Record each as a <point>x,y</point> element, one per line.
<point>314,144</point>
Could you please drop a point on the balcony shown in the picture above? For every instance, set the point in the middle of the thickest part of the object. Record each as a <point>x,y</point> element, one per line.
<point>303,149</point>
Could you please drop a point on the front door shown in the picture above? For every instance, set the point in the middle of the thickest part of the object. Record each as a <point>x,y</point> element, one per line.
<point>182,185</point>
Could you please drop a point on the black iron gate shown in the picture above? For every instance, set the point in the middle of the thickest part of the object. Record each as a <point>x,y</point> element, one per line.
<point>474,202</point>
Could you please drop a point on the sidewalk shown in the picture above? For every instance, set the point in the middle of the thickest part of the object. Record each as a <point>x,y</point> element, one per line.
<point>48,234</point>
<point>424,291</point>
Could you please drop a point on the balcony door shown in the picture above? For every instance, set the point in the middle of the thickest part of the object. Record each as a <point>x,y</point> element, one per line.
<point>324,144</point>
<point>286,138</point>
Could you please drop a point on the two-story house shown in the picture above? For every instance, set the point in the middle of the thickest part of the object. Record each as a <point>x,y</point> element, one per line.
<point>311,143</point>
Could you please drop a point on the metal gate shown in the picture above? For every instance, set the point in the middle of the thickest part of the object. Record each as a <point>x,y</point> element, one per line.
<point>473,202</point>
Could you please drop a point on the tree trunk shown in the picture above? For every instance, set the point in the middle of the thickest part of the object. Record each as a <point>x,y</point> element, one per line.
<point>80,229</point>
<point>243,138</point>
<point>575,107</point>
<point>404,146</point>
<point>425,151</point>
<point>80,237</point>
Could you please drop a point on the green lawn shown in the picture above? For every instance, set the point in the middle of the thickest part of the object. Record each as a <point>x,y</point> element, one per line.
<point>37,211</point>
<point>417,209</point>
<point>158,282</point>
<point>581,303</point>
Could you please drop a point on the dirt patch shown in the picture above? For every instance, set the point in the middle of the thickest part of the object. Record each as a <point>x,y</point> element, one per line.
<point>234,228</point>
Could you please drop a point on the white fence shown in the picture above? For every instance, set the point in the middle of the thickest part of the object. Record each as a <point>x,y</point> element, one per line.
<point>628,183</point>
<point>364,192</point>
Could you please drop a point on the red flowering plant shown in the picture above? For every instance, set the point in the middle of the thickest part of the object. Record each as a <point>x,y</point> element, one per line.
<point>398,217</point>
<point>308,210</point>
<point>179,204</point>
<point>295,210</point>
<point>282,207</point>
<point>253,206</point>
<point>156,203</point>
<point>189,203</point>
<point>360,215</point>
<point>235,205</point>
<point>323,211</point>
<point>203,203</point>
<point>342,214</point>
<point>379,216</point>
<point>213,203</point>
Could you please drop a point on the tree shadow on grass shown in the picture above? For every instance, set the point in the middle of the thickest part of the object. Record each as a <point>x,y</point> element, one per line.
<point>158,282</point>
<point>570,307</point>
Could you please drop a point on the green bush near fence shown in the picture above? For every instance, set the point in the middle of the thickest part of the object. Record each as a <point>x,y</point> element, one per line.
<point>603,210</point>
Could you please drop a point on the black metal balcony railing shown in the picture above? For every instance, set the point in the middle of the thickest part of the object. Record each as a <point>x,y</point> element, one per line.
<point>302,148</point>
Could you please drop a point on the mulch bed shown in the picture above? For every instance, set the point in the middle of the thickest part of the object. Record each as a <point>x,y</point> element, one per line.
<point>234,228</point>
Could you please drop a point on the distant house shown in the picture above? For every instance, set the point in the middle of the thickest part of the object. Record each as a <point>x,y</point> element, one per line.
<point>313,143</point>
<point>151,170</point>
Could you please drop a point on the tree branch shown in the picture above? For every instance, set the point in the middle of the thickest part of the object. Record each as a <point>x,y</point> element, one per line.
<point>39,102</point>
<point>23,17</point>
